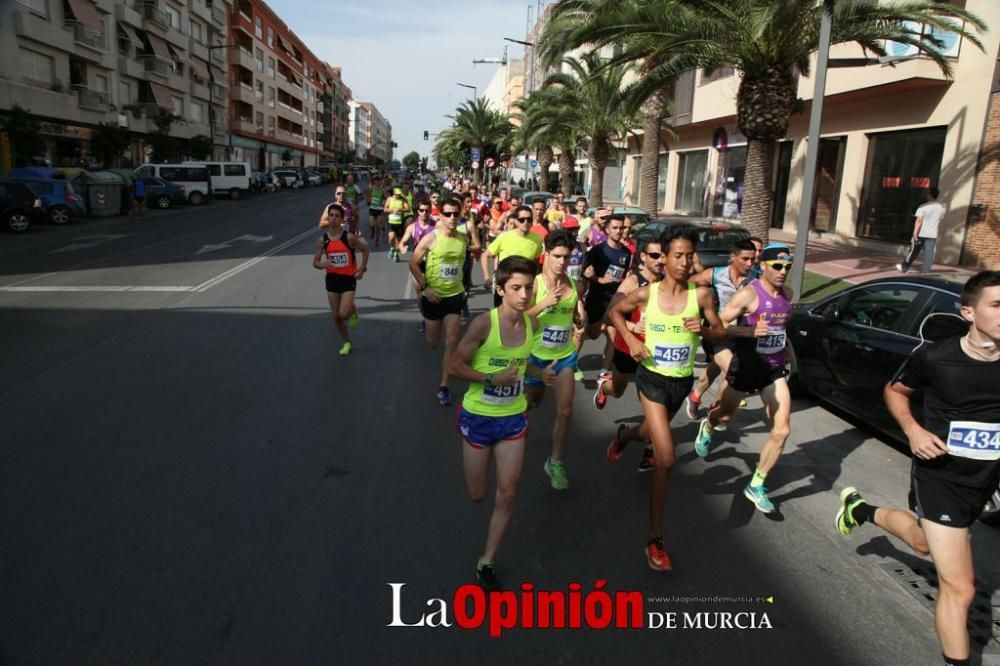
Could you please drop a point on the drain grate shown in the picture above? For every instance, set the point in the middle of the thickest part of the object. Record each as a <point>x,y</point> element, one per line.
<point>984,614</point>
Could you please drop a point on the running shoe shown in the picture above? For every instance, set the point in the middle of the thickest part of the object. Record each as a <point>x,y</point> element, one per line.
<point>486,574</point>
<point>352,321</point>
<point>648,462</point>
<point>899,267</point>
<point>599,398</point>
<point>693,406</point>
<point>743,402</point>
<point>557,473</point>
<point>850,498</point>
<point>395,256</point>
<point>657,556</point>
<point>392,253</point>
<point>617,447</point>
<point>703,440</point>
<point>444,396</point>
<point>346,349</point>
<point>578,375</point>
<point>758,495</point>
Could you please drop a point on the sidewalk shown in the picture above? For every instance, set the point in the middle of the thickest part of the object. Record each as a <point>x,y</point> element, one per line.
<point>826,257</point>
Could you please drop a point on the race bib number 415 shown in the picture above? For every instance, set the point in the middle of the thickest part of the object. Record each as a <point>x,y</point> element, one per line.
<point>971,439</point>
<point>772,343</point>
<point>671,356</point>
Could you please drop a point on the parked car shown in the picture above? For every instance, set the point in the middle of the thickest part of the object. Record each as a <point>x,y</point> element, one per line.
<point>716,238</point>
<point>163,194</point>
<point>193,177</point>
<point>288,177</point>
<point>230,178</point>
<point>264,182</point>
<point>529,198</point>
<point>640,218</point>
<point>324,175</point>
<point>59,199</point>
<point>19,206</point>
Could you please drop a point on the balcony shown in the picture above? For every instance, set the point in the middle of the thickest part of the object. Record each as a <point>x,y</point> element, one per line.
<point>199,90</point>
<point>244,58</point>
<point>219,92</point>
<point>197,49</point>
<point>93,100</point>
<point>153,15</point>
<point>86,36</point>
<point>218,17</point>
<point>131,67</point>
<point>153,65</point>
<point>246,125</point>
<point>242,93</point>
<point>129,15</point>
<point>200,9</point>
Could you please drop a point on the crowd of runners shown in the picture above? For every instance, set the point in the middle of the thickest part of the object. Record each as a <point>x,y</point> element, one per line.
<point>560,277</point>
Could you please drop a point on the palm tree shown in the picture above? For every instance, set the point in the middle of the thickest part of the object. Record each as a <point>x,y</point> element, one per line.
<point>527,136</point>
<point>587,98</point>
<point>767,41</point>
<point>449,151</point>
<point>552,121</point>
<point>480,126</point>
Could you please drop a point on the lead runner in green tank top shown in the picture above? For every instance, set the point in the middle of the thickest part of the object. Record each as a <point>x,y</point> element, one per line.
<point>493,358</point>
<point>376,203</point>
<point>557,308</point>
<point>674,309</point>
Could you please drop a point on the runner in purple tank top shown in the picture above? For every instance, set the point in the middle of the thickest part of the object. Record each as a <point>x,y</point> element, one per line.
<point>760,364</point>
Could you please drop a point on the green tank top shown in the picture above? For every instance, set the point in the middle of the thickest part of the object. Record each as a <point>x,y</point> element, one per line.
<point>554,337</point>
<point>490,358</point>
<point>395,208</point>
<point>378,197</point>
<point>671,346</point>
<point>444,265</point>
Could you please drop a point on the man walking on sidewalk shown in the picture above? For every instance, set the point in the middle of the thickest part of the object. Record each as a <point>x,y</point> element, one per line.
<point>925,233</point>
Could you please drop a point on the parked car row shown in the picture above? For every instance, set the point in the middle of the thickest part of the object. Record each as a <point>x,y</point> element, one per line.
<point>19,205</point>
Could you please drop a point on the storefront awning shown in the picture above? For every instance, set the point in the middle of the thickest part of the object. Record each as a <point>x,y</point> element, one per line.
<point>86,13</point>
<point>130,34</point>
<point>200,69</point>
<point>159,45</point>
<point>162,95</point>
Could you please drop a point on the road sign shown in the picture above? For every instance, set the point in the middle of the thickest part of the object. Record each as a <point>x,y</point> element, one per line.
<point>533,164</point>
<point>490,162</point>
<point>475,155</point>
<point>475,164</point>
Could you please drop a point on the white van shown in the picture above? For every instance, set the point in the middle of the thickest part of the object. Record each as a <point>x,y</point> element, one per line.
<point>232,178</point>
<point>193,177</point>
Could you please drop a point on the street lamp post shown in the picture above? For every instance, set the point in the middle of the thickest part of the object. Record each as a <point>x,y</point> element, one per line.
<point>475,92</point>
<point>531,70</point>
<point>211,92</point>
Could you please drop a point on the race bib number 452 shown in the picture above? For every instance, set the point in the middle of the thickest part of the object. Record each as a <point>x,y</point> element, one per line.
<point>501,395</point>
<point>671,356</point>
<point>971,439</point>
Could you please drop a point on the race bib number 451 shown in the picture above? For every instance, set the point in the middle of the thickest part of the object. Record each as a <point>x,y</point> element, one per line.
<point>501,395</point>
<point>671,356</point>
<point>971,439</point>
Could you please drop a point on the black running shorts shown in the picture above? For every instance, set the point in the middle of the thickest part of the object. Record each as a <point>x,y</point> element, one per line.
<point>749,373</point>
<point>339,284</point>
<point>942,501</point>
<point>668,391</point>
<point>450,305</point>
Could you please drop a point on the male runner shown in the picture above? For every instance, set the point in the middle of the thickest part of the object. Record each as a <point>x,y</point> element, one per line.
<point>397,208</point>
<point>493,358</point>
<point>347,208</point>
<point>604,268</point>
<point>760,361</point>
<point>335,253</point>
<point>351,190</point>
<point>517,242</point>
<point>580,212</point>
<point>376,203</point>
<point>726,281</point>
<point>440,285</point>
<point>674,308</point>
<point>539,220</point>
<point>555,214</point>
<point>555,307</point>
<point>956,456</point>
<point>596,232</point>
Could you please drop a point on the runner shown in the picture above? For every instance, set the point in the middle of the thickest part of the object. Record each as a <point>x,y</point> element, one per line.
<point>474,248</point>
<point>726,281</point>
<point>493,358</point>
<point>596,232</point>
<point>649,270</point>
<point>555,307</point>
<point>349,220</point>
<point>956,456</point>
<point>604,268</point>
<point>376,203</point>
<point>335,253</point>
<point>518,242</point>
<point>422,225</point>
<point>351,190</point>
<point>759,363</point>
<point>555,214</point>
<point>539,219</point>
<point>580,212</point>
<point>674,308</point>
<point>397,208</point>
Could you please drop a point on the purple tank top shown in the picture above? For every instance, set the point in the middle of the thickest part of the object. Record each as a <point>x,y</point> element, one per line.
<point>776,309</point>
<point>420,231</point>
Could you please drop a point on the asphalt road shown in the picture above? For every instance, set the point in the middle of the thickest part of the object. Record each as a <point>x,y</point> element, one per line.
<point>190,474</point>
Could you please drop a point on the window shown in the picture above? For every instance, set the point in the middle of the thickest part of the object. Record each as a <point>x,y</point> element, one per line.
<point>178,105</point>
<point>147,172</point>
<point>270,67</point>
<point>259,120</point>
<point>270,124</point>
<point>40,7</point>
<point>901,166</point>
<point>101,83</point>
<point>173,17</point>
<point>258,91</point>
<point>258,27</point>
<point>270,97</point>
<point>270,37</point>
<point>36,67</point>
<point>881,306</point>
<point>721,73</point>
<point>125,92</point>
<point>197,31</point>
<point>729,185</point>
<point>197,112</point>
<point>691,182</point>
<point>259,58</point>
<point>233,170</point>
<point>946,323</point>
<point>214,170</point>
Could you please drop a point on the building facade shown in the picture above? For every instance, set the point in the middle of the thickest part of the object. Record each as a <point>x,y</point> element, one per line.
<point>506,86</point>
<point>371,132</point>
<point>336,114</point>
<point>889,133</point>
<point>77,64</point>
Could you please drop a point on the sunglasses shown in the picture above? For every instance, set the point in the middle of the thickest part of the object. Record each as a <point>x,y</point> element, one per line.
<point>423,210</point>
<point>780,265</point>
<point>339,194</point>
<point>654,255</point>
<point>452,213</point>
<point>524,219</point>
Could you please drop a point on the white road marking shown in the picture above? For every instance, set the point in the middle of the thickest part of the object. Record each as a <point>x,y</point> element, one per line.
<point>95,240</point>
<point>225,244</point>
<point>98,288</point>
<point>222,277</point>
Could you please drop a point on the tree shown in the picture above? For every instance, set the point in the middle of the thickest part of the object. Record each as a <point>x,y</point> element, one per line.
<point>108,142</point>
<point>165,147</point>
<point>286,156</point>
<point>24,131</point>
<point>529,135</point>
<point>449,150</point>
<point>411,160</point>
<point>766,41</point>
<point>478,125</point>
<point>200,147</point>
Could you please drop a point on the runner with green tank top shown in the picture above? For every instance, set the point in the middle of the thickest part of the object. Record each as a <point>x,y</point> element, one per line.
<point>493,357</point>
<point>674,308</point>
<point>396,207</point>
<point>441,287</point>
<point>557,307</point>
<point>376,203</point>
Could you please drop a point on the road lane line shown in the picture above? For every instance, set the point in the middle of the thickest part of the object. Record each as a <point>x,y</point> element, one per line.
<point>98,288</point>
<point>222,277</point>
<point>408,289</point>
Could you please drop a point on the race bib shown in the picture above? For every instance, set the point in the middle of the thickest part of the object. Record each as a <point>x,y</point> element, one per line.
<point>555,337</point>
<point>671,356</point>
<point>395,218</point>
<point>971,439</point>
<point>501,395</point>
<point>339,259</point>
<point>772,343</point>
<point>616,273</point>
<point>449,272</point>
<point>575,271</point>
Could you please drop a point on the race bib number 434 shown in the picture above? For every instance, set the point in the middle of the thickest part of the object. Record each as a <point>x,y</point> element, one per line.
<point>971,439</point>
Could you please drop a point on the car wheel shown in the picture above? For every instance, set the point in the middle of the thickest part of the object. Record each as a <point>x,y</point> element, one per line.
<point>991,514</point>
<point>235,194</point>
<point>60,215</point>
<point>163,202</point>
<point>196,199</point>
<point>18,222</point>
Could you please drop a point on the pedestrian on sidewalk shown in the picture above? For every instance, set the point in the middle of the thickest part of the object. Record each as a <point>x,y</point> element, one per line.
<point>925,233</point>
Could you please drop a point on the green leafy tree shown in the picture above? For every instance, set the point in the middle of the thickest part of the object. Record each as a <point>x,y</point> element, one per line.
<point>165,147</point>
<point>766,41</point>
<point>108,143</point>
<point>200,147</point>
<point>24,131</point>
<point>478,125</point>
<point>411,159</point>
<point>530,135</point>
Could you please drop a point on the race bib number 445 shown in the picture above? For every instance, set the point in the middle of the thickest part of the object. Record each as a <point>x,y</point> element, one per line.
<point>971,439</point>
<point>501,395</point>
<point>671,356</point>
<point>555,336</point>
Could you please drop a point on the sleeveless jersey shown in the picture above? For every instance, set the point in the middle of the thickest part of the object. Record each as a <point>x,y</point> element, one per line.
<point>722,282</point>
<point>340,254</point>
<point>639,314</point>
<point>395,208</point>
<point>490,358</point>
<point>770,347</point>
<point>554,337</point>
<point>671,346</point>
<point>378,198</point>
<point>444,265</point>
<point>419,231</point>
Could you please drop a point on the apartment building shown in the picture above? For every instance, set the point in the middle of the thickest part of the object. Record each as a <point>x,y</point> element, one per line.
<point>76,64</point>
<point>277,92</point>
<point>888,134</point>
<point>336,114</point>
<point>506,86</point>
<point>371,132</point>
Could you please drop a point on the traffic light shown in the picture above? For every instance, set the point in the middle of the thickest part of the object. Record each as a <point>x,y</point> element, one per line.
<point>427,135</point>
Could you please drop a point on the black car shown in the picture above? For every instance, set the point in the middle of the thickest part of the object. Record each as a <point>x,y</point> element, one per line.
<point>163,194</point>
<point>716,238</point>
<point>19,206</point>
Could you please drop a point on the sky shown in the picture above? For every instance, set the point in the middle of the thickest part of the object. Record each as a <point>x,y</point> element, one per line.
<point>406,57</point>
